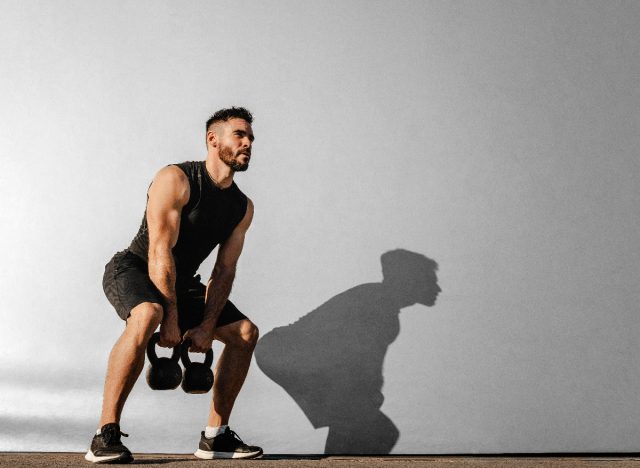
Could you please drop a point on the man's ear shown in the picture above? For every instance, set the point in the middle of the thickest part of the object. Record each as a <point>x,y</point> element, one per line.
<point>212,138</point>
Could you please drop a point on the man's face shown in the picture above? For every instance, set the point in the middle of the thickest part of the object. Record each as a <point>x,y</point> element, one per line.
<point>428,290</point>
<point>235,139</point>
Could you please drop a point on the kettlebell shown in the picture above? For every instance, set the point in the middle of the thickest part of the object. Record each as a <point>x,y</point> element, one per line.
<point>198,376</point>
<point>163,373</point>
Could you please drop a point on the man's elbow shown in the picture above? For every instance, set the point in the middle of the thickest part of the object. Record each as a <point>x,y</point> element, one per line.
<point>159,251</point>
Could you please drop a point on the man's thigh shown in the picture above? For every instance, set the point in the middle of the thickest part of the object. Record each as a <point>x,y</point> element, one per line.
<point>126,283</point>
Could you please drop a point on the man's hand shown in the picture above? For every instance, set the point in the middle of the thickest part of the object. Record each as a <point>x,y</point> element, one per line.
<point>169,334</point>
<point>200,339</point>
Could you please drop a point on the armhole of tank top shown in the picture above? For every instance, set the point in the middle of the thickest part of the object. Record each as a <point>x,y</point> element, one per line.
<point>179,166</point>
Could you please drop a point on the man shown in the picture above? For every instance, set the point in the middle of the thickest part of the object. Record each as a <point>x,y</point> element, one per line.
<point>191,208</point>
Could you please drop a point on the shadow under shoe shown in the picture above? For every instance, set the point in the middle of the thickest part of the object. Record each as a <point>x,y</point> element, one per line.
<point>226,445</point>
<point>106,447</point>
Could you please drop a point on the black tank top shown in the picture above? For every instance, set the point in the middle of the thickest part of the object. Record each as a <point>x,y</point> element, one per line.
<point>208,218</point>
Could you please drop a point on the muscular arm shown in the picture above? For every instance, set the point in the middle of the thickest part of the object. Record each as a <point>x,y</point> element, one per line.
<point>224,271</point>
<point>168,193</point>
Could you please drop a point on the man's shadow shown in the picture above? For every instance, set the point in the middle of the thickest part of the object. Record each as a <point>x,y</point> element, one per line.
<point>330,360</point>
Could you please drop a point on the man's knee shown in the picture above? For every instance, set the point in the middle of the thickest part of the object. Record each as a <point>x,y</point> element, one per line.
<point>243,334</point>
<point>251,335</point>
<point>144,319</point>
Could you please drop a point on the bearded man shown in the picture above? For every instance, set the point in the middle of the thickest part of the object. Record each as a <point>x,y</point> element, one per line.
<point>192,207</point>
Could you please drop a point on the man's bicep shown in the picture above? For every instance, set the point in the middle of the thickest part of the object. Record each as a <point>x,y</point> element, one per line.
<point>166,199</point>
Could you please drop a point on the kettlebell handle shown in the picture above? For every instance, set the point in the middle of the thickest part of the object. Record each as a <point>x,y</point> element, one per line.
<point>186,361</point>
<point>151,349</point>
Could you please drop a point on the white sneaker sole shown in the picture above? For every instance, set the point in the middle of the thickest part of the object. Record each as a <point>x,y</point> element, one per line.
<point>89,456</point>
<point>205,455</point>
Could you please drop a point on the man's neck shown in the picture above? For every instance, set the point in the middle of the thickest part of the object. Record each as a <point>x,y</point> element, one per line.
<point>220,173</point>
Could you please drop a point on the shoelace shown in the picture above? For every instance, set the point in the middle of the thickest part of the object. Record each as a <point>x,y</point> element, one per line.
<point>236,436</point>
<point>112,436</point>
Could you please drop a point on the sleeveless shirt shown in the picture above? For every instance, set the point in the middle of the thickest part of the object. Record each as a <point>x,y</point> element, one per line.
<point>208,219</point>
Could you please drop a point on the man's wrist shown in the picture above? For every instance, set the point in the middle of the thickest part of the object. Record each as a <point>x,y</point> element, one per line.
<point>170,314</point>
<point>207,327</point>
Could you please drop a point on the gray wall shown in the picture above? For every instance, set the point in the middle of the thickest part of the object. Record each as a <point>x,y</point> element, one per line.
<point>499,139</point>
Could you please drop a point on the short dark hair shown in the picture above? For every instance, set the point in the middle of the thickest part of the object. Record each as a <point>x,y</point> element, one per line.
<point>231,113</point>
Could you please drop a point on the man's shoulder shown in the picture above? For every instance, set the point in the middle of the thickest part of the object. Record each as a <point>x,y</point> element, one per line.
<point>172,182</point>
<point>175,173</point>
<point>186,167</point>
<point>182,173</point>
<point>239,191</point>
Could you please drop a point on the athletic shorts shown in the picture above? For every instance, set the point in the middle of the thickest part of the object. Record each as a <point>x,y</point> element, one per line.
<point>126,284</point>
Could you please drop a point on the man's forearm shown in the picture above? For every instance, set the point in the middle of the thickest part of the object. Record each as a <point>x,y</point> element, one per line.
<point>218,291</point>
<point>162,272</point>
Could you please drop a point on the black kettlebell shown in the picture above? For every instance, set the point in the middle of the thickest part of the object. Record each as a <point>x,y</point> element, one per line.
<point>163,373</point>
<point>198,376</point>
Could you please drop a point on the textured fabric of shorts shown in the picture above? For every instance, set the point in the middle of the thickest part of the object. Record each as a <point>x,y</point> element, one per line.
<point>126,284</point>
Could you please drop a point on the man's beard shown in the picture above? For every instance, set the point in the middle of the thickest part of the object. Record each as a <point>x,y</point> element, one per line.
<point>226,156</point>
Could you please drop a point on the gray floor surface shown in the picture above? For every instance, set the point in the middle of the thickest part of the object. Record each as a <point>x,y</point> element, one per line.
<point>11,459</point>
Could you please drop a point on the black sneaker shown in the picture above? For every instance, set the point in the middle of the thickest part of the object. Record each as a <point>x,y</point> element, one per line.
<point>107,448</point>
<point>226,445</point>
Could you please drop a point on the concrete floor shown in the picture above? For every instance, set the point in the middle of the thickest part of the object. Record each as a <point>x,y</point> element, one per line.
<point>11,459</point>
